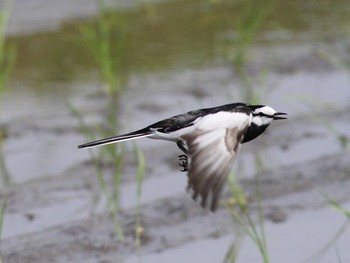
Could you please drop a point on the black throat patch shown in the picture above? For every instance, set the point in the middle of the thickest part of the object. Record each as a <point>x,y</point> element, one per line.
<point>253,131</point>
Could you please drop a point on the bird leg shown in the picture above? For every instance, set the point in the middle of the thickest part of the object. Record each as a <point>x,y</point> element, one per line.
<point>182,146</point>
<point>183,162</point>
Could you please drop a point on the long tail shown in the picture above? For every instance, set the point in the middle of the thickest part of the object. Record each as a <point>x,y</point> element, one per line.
<point>120,138</point>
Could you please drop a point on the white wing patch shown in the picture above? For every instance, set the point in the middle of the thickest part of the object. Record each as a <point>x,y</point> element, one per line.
<point>172,136</point>
<point>210,154</point>
<point>222,120</point>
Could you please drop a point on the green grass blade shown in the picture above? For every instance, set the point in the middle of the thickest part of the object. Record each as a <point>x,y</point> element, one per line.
<point>316,256</point>
<point>233,251</point>
<point>2,215</point>
<point>244,219</point>
<point>141,165</point>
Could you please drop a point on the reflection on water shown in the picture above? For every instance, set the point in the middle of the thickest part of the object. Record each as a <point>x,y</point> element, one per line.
<point>169,36</point>
<point>166,36</point>
<point>175,34</point>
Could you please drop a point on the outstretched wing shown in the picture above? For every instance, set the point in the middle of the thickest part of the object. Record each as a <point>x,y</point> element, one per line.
<point>210,156</point>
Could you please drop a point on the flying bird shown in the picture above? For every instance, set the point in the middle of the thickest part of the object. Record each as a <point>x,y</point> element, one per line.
<point>210,139</point>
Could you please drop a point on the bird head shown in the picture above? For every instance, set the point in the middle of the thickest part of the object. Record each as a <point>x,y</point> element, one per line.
<point>263,115</point>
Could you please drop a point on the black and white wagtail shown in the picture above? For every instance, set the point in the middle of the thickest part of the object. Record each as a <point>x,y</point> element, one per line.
<point>210,139</point>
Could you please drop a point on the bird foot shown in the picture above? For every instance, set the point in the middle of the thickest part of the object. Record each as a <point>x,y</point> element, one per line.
<point>183,163</point>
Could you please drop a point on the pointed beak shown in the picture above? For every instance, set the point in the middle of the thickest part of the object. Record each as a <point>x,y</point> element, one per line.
<point>277,116</point>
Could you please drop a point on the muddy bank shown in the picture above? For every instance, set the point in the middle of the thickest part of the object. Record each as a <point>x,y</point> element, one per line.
<point>55,209</point>
<point>175,224</point>
<point>50,216</point>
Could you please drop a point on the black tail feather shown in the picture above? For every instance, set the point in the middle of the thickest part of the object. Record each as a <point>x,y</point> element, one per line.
<point>119,138</point>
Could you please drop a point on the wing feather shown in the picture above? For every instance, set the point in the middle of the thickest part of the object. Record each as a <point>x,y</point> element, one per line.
<point>210,155</point>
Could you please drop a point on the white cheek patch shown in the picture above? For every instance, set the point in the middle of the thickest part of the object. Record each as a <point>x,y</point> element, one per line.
<point>261,120</point>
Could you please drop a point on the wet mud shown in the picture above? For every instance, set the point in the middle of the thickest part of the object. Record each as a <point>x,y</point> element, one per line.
<point>50,215</point>
<point>56,212</point>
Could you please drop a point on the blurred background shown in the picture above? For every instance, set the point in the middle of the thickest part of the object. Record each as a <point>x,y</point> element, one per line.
<point>72,71</point>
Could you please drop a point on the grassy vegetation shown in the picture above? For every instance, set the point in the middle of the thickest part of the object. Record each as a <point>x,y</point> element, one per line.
<point>340,231</point>
<point>339,208</point>
<point>139,179</point>
<point>340,60</point>
<point>330,244</point>
<point>106,38</point>
<point>2,215</point>
<point>111,194</point>
<point>253,16</point>
<point>342,140</point>
<point>6,51</point>
<point>7,59</point>
<point>241,213</point>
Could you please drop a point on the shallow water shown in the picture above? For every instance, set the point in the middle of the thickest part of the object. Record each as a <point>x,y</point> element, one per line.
<point>308,242</point>
<point>177,57</point>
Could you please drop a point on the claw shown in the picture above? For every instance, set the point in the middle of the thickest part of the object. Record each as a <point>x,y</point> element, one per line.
<point>183,157</point>
<point>184,167</point>
<point>183,162</point>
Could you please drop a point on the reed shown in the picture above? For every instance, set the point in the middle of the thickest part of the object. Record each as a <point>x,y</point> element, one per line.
<point>2,216</point>
<point>141,165</point>
<point>330,244</point>
<point>241,215</point>
<point>6,50</point>
<point>252,16</point>
<point>7,60</point>
<point>107,39</point>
